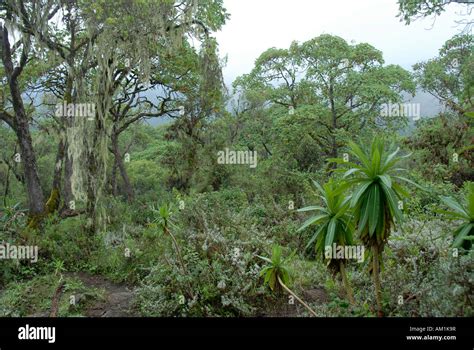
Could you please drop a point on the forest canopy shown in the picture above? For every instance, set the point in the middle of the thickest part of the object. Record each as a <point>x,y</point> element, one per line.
<point>312,186</point>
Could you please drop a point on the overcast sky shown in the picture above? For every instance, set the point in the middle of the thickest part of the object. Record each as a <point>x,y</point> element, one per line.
<point>256,25</point>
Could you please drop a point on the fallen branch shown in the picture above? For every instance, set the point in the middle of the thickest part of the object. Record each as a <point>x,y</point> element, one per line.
<point>296,297</point>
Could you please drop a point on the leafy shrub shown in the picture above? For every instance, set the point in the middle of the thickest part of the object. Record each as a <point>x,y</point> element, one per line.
<point>219,248</point>
<point>220,279</point>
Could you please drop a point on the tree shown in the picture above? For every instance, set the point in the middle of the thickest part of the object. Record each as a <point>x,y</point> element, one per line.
<point>442,148</point>
<point>132,103</point>
<point>352,83</point>
<point>275,78</point>
<point>66,49</point>
<point>410,10</point>
<point>15,57</point>
<point>335,226</point>
<point>375,199</point>
<point>10,170</point>
<point>449,77</point>
<point>342,85</point>
<point>56,69</point>
<point>201,98</point>
<point>94,38</point>
<point>135,34</point>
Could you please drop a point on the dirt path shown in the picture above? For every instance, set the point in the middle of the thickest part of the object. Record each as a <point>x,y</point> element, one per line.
<point>283,308</point>
<point>117,298</point>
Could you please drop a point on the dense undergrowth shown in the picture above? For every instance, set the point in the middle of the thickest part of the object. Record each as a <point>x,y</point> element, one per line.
<point>142,179</point>
<point>220,235</point>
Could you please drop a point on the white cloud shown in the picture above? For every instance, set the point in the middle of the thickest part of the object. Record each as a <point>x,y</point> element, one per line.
<point>260,24</point>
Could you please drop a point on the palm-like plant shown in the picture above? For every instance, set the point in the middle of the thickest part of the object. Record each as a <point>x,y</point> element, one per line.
<point>334,222</point>
<point>163,217</point>
<point>276,274</point>
<point>464,234</point>
<point>9,216</point>
<point>375,197</point>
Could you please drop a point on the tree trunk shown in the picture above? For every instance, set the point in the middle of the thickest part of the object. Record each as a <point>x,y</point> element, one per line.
<point>113,179</point>
<point>68,123</point>
<point>376,276</point>
<point>334,148</point>
<point>123,171</point>
<point>7,187</point>
<point>28,159</point>
<point>58,165</point>
<point>91,205</point>
<point>347,285</point>
<point>54,200</point>
<point>67,185</point>
<point>22,130</point>
<point>52,204</point>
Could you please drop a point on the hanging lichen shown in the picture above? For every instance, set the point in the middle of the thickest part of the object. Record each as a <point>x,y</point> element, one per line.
<point>130,31</point>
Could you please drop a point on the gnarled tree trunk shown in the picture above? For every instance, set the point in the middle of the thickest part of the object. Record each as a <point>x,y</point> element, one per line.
<point>21,127</point>
<point>121,166</point>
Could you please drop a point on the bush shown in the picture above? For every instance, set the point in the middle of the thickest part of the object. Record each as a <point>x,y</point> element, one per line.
<point>218,243</point>
<point>423,269</point>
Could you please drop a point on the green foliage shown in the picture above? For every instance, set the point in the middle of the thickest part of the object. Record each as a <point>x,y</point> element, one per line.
<point>276,269</point>
<point>12,218</point>
<point>218,243</point>
<point>144,174</point>
<point>422,267</point>
<point>189,239</point>
<point>377,190</point>
<point>65,242</point>
<point>463,235</point>
<point>440,149</point>
<point>317,79</point>
<point>162,216</point>
<point>34,297</point>
<point>334,219</point>
<point>448,77</point>
<point>413,9</point>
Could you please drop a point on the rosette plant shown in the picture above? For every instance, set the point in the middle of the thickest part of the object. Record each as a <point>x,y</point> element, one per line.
<point>375,178</point>
<point>277,274</point>
<point>463,212</point>
<point>333,221</point>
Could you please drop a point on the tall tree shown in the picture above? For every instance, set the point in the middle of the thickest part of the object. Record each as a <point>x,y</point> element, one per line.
<point>15,55</point>
<point>375,199</point>
<point>135,29</point>
<point>449,77</point>
<point>352,83</point>
<point>342,85</point>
